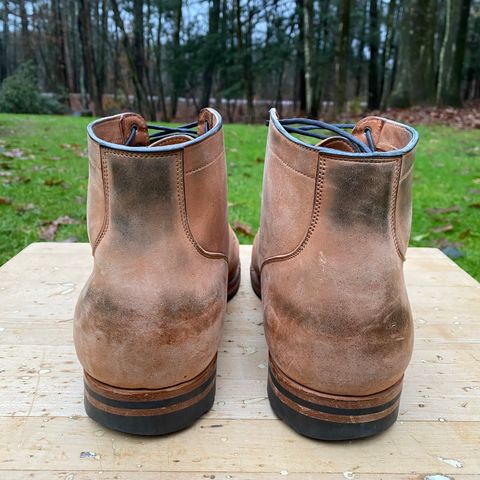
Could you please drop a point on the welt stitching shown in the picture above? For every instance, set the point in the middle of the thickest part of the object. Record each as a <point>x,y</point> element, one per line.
<point>188,172</point>
<point>393,209</point>
<point>319,184</point>
<point>106,195</point>
<point>292,168</point>
<point>183,213</point>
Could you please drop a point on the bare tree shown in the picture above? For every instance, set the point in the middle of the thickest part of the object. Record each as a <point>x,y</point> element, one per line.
<point>453,52</point>
<point>85,28</point>
<point>374,41</point>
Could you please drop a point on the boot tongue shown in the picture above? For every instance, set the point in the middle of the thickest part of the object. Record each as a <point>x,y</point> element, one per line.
<point>171,140</point>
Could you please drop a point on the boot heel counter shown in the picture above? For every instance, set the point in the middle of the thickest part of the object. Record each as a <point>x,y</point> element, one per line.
<point>356,324</point>
<point>152,296</point>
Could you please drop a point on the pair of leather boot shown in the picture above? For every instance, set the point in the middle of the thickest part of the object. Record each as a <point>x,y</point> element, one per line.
<point>327,263</point>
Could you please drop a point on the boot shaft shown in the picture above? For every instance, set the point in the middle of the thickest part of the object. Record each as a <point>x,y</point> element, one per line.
<point>146,196</point>
<point>352,197</point>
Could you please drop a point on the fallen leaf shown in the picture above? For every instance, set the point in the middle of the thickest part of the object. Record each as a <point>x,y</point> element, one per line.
<point>50,229</point>
<point>89,455</point>
<point>418,238</point>
<point>5,166</point>
<point>71,239</point>
<point>22,179</point>
<point>475,205</point>
<point>26,208</point>
<point>15,153</point>
<point>242,228</point>
<point>52,182</point>
<point>464,234</point>
<point>474,191</point>
<point>444,242</point>
<point>5,201</point>
<point>259,160</point>
<point>444,228</point>
<point>452,252</point>
<point>451,249</point>
<point>437,211</point>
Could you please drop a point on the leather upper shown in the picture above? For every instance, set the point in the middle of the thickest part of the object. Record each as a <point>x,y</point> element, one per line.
<point>151,313</point>
<point>329,253</point>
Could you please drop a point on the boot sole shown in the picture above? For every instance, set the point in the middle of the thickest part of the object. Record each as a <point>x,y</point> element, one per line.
<point>234,284</point>
<point>328,417</point>
<point>150,412</point>
<point>331,417</point>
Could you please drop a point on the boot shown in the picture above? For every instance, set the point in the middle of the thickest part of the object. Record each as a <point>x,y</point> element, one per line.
<point>328,266</point>
<point>148,322</point>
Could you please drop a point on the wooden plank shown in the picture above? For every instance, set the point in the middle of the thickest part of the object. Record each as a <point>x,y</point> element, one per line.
<point>236,445</point>
<point>116,475</point>
<point>43,380</point>
<point>43,428</point>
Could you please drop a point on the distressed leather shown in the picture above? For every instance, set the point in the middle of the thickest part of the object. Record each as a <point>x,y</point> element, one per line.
<point>151,313</point>
<point>329,256</point>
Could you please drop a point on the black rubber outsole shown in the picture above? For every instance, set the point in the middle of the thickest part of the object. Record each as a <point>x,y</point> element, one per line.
<point>323,430</point>
<point>152,424</point>
<point>234,284</point>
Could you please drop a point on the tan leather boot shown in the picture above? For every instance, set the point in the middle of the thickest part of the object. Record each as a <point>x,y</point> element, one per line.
<point>328,265</point>
<point>148,322</point>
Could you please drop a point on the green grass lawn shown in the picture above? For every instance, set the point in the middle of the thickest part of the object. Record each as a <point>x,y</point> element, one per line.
<point>47,179</point>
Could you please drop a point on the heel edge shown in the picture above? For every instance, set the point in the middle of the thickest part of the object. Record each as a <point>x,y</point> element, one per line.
<point>331,417</point>
<point>150,412</point>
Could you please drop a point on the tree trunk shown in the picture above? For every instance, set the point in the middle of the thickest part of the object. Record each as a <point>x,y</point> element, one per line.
<point>300,91</point>
<point>58,53</point>
<point>142,102</point>
<point>211,44</point>
<point>388,53</point>
<point>162,107</point>
<point>176,70</point>
<point>373,83</point>
<point>4,64</point>
<point>309,53</point>
<point>85,28</point>
<point>66,51</point>
<point>27,53</point>
<point>244,50</point>
<point>415,81</point>
<point>360,56</point>
<point>453,53</point>
<point>103,48</point>
<point>139,57</point>
<point>341,61</point>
